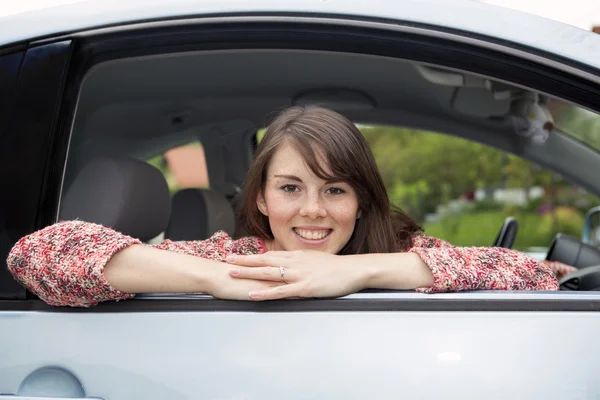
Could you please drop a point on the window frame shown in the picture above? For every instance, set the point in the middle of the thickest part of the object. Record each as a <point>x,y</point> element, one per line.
<point>426,44</point>
<point>26,143</point>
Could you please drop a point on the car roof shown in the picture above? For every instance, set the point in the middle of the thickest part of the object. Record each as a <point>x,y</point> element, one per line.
<point>465,15</point>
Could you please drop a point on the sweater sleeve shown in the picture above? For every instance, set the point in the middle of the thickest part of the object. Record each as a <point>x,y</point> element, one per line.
<point>63,264</point>
<point>480,268</point>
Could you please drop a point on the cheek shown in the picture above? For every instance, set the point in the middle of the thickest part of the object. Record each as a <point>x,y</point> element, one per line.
<point>345,213</point>
<point>280,206</point>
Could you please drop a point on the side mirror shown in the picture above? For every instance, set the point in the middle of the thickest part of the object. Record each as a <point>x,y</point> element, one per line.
<point>591,227</point>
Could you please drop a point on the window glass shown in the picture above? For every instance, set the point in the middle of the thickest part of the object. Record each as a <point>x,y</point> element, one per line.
<point>462,191</point>
<point>183,166</point>
<point>577,122</point>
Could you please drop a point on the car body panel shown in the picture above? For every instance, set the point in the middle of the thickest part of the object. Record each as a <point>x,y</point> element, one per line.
<point>466,16</point>
<point>299,355</point>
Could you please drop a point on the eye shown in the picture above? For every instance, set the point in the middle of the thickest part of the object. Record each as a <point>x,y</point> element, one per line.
<point>335,190</point>
<point>290,188</point>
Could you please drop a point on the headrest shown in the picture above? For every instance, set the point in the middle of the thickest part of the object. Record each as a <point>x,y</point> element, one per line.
<point>198,213</point>
<point>125,194</point>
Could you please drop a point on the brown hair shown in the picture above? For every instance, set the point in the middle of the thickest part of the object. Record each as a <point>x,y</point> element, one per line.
<point>380,228</point>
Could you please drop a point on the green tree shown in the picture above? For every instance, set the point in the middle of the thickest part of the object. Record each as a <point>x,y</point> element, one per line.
<point>425,169</point>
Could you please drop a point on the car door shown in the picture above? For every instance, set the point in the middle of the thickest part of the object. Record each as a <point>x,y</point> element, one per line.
<point>367,345</point>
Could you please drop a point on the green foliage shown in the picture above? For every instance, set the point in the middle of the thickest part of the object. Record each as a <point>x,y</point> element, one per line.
<point>451,165</point>
<point>260,134</point>
<point>566,220</point>
<point>423,170</point>
<point>481,228</point>
<point>577,122</point>
<point>521,173</point>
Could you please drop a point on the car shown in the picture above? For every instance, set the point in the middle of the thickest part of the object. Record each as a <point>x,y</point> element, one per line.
<point>134,80</point>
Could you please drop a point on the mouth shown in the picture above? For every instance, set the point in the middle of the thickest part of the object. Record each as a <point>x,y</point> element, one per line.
<point>315,236</point>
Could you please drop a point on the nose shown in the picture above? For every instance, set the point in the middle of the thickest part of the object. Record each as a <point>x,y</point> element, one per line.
<point>313,207</point>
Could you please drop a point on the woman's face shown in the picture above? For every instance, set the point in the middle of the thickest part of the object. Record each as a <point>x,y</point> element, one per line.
<point>304,211</point>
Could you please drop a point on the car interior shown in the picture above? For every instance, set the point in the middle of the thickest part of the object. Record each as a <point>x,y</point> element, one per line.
<point>133,109</point>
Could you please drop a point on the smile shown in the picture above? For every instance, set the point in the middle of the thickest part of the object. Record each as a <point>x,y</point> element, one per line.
<point>313,234</point>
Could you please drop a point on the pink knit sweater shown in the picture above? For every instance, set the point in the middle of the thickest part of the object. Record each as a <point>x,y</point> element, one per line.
<point>63,264</point>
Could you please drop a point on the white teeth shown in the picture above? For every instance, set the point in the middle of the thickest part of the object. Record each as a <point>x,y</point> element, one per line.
<point>311,235</point>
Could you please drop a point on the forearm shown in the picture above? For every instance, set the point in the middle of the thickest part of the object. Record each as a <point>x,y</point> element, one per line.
<point>144,269</point>
<point>401,271</point>
<point>484,268</point>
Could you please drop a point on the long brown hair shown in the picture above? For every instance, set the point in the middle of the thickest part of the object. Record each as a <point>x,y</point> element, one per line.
<point>380,228</point>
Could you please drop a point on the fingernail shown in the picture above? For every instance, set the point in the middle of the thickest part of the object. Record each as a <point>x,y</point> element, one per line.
<point>234,271</point>
<point>254,295</point>
<point>231,258</point>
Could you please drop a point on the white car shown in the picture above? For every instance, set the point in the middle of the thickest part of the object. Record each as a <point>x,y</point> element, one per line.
<point>137,78</point>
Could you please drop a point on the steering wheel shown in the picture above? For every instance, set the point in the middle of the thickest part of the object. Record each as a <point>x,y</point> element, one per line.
<point>508,233</point>
<point>585,257</point>
<point>585,279</point>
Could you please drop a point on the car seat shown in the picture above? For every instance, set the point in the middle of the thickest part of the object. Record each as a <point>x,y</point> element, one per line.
<point>196,214</point>
<point>125,194</point>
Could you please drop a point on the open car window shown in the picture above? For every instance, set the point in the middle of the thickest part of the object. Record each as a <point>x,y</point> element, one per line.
<point>503,137</point>
<point>463,191</point>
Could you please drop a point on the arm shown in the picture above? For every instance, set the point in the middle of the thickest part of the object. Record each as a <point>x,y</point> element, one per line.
<point>430,266</point>
<point>480,268</point>
<point>80,264</point>
<point>145,269</point>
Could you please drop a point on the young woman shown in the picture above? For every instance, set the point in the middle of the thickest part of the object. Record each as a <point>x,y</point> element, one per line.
<point>321,225</point>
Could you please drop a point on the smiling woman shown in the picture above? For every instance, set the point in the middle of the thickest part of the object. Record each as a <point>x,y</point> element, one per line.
<point>293,194</point>
<point>314,165</point>
<point>322,226</point>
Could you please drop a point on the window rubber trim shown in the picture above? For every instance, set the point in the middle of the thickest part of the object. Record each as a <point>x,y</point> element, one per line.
<point>207,304</point>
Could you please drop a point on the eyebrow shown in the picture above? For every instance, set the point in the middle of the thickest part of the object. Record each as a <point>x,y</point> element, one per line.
<point>290,177</point>
<point>297,179</point>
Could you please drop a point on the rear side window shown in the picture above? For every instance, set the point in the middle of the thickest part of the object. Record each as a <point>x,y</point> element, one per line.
<point>9,69</point>
<point>183,166</point>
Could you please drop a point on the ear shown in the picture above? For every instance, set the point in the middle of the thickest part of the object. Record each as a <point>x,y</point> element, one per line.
<point>262,206</point>
<point>359,213</point>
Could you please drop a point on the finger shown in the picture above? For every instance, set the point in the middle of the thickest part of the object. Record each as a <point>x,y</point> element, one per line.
<point>280,253</point>
<point>255,260</point>
<point>280,292</point>
<point>258,273</point>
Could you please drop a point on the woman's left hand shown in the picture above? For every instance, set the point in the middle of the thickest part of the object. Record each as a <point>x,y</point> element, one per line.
<point>307,273</point>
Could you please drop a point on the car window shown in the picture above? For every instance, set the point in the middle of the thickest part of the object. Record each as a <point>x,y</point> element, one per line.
<point>183,167</point>
<point>463,191</point>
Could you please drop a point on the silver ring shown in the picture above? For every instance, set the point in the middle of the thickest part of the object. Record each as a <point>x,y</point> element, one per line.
<point>282,273</point>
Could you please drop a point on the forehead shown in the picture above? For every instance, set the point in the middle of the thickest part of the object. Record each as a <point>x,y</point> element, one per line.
<point>288,158</point>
